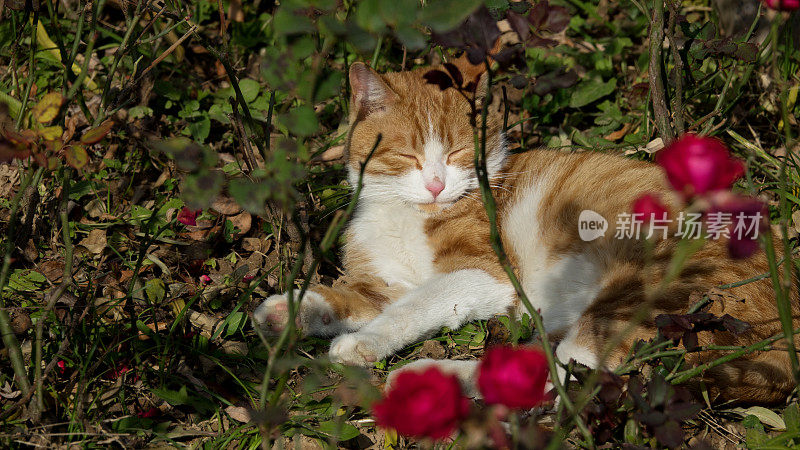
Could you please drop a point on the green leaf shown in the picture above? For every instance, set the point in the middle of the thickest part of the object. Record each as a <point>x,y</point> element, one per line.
<point>591,90</point>
<point>250,89</point>
<point>182,397</point>
<point>200,129</point>
<point>25,280</point>
<point>444,15</point>
<point>249,195</point>
<point>300,121</point>
<point>791,417</point>
<point>766,416</point>
<point>340,431</point>
<point>368,16</point>
<point>288,21</point>
<point>155,290</point>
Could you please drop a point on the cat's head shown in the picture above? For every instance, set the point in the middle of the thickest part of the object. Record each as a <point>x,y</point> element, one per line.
<point>425,156</point>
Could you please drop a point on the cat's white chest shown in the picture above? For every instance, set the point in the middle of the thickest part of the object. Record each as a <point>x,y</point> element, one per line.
<point>394,238</point>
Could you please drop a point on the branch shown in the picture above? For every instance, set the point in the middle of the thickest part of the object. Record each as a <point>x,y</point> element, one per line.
<point>657,93</point>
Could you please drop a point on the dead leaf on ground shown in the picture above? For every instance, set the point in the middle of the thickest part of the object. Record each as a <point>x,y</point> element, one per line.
<point>619,134</point>
<point>432,349</point>
<point>96,241</point>
<point>242,221</point>
<point>239,413</point>
<point>226,206</point>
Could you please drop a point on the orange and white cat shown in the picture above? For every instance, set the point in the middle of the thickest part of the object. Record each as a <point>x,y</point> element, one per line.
<point>418,255</point>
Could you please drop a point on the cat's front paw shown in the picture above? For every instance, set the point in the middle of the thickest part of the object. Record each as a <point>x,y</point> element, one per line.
<point>315,317</point>
<point>357,349</point>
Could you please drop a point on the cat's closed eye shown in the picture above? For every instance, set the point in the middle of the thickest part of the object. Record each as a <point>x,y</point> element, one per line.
<point>455,154</point>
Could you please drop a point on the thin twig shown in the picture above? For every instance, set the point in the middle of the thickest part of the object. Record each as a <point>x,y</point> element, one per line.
<point>657,93</point>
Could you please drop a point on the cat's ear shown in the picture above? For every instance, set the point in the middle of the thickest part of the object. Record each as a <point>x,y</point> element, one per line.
<point>369,92</point>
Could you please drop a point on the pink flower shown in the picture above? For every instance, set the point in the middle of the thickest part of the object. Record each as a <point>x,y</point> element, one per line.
<point>188,216</point>
<point>698,165</point>
<point>650,207</point>
<point>62,367</point>
<point>747,220</point>
<point>783,5</point>
<point>514,377</point>
<point>205,279</point>
<point>423,404</point>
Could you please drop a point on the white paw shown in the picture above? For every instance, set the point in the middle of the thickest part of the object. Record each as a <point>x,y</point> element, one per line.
<point>356,349</point>
<point>315,316</point>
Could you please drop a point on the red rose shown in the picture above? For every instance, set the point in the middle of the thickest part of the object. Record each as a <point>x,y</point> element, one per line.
<point>514,377</point>
<point>783,5</point>
<point>423,404</point>
<point>649,207</point>
<point>188,216</point>
<point>746,219</point>
<point>697,165</point>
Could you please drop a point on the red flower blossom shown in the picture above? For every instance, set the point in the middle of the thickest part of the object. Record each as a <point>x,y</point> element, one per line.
<point>650,207</point>
<point>783,5</point>
<point>746,219</point>
<point>205,279</point>
<point>423,404</point>
<point>698,165</point>
<point>188,216</point>
<point>62,367</point>
<point>514,377</point>
<point>149,414</point>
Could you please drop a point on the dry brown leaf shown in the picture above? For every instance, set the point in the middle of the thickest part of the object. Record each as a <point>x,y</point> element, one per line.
<point>619,134</point>
<point>226,206</point>
<point>95,242</point>
<point>243,221</point>
<point>239,413</point>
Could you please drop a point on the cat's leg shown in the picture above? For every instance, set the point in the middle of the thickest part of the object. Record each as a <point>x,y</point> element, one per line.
<point>449,300</point>
<point>465,370</point>
<point>327,311</point>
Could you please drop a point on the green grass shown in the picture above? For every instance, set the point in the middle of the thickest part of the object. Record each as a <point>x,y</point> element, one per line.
<point>114,338</point>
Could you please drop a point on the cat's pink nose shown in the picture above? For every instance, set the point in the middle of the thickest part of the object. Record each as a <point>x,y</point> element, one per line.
<point>435,187</point>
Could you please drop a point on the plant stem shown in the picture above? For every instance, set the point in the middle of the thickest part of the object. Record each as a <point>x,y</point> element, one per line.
<point>479,137</point>
<point>9,338</point>
<point>38,407</point>
<point>657,92</point>
<point>681,377</point>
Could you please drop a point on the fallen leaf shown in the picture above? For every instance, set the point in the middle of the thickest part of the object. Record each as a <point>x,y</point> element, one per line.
<point>619,134</point>
<point>96,241</point>
<point>242,221</point>
<point>48,107</point>
<point>97,133</point>
<point>226,206</point>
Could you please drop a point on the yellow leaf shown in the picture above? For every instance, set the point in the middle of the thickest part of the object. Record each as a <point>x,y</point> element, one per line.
<point>177,306</point>
<point>47,44</point>
<point>51,133</point>
<point>47,108</point>
<point>391,439</point>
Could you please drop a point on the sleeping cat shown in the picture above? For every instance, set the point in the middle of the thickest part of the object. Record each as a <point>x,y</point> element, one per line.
<point>418,255</point>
